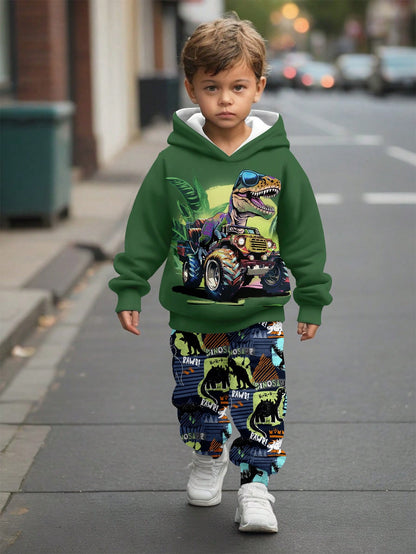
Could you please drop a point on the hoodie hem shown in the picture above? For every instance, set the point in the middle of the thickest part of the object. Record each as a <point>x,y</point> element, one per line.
<point>195,325</point>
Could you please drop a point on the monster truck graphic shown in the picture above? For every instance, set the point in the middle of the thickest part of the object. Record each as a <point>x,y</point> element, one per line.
<point>231,262</point>
<point>226,253</point>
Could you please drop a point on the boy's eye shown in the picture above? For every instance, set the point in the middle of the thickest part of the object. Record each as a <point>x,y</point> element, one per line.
<point>239,88</point>
<point>211,88</point>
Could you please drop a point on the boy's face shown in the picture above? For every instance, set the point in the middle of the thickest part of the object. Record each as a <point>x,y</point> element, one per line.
<point>225,99</point>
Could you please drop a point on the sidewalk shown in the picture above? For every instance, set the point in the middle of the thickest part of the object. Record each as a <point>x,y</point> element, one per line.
<point>42,265</point>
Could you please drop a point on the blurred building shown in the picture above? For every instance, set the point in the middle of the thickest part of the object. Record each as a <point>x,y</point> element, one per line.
<point>194,12</point>
<point>391,22</point>
<point>116,60</point>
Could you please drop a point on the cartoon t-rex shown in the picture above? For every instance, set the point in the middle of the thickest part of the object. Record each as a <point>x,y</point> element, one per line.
<point>245,201</point>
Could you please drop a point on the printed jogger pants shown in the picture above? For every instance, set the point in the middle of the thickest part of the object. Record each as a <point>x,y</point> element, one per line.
<point>242,374</point>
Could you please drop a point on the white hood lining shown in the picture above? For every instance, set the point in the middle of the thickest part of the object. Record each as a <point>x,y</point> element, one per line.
<point>259,121</point>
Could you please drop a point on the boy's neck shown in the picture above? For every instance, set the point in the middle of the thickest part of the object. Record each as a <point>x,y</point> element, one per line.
<point>228,140</point>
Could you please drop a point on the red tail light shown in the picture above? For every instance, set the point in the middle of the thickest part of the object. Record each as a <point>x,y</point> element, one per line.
<point>289,72</point>
<point>307,80</point>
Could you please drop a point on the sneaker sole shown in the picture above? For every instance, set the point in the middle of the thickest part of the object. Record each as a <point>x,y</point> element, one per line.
<point>204,503</point>
<point>212,501</point>
<point>254,527</point>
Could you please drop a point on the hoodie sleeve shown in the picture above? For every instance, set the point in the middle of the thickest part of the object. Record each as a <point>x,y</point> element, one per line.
<point>147,240</point>
<point>302,243</point>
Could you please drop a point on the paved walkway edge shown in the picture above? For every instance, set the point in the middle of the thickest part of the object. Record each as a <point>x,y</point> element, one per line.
<point>51,284</point>
<point>28,305</point>
<point>32,383</point>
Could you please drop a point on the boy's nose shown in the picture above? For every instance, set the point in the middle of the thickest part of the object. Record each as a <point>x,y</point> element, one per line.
<point>225,98</point>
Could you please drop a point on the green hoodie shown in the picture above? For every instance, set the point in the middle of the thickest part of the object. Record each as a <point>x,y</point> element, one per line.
<point>228,227</point>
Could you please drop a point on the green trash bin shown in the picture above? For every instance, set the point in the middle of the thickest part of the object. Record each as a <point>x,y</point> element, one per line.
<point>35,161</point>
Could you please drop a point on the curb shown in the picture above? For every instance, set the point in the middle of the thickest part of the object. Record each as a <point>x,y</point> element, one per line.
<point>25,308</point>
<point>41,293</point>
<point>50,285</point>
<point>61,273</point>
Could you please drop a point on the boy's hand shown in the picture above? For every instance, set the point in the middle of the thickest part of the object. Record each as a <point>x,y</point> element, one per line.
<point>307,330</point>
<point>130,321</point>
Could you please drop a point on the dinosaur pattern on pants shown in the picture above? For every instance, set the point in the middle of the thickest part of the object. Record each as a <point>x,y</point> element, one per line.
<point>238,376</point>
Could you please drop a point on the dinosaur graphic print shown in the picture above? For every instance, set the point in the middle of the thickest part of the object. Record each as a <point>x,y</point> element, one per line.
<point>190,344</point>
<point>241,373</point>
<point>249,472</point>
<point>240,377</point>
<point>245,201</point>
<point>216,379</point>
<point>225,251</point>
<point>268,410</point>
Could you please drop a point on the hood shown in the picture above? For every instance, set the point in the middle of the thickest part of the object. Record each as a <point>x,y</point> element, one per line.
<point>184,136</point>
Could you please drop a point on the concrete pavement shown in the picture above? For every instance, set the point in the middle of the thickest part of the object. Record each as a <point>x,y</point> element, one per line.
<point>91,458</point>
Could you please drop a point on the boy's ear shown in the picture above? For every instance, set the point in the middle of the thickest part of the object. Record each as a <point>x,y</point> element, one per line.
<point>261,83</point>
<point>190,90</point>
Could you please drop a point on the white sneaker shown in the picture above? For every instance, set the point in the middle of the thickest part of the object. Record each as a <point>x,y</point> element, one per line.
<point>205,482</point>
<point>254,512</point>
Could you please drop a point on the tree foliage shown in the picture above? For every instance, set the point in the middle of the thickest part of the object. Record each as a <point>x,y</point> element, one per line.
<point>328,16</point>
<point>257,11</point>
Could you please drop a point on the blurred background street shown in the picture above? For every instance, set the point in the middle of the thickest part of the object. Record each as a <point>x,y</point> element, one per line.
<point>85,414</point>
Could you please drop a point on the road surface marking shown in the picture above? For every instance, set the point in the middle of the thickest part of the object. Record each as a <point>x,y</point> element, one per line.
<point>390,198</point>
<point>328,198</point>
<point>324,125</point>
<point>332,140</point>
<point>402,154</point>
<point>369,140</point>
<point>316,121</point>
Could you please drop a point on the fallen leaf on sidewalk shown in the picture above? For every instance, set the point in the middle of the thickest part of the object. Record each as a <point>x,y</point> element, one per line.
<point>46,321</point>
<point>20,511</point>
<point>64,304</point>
<point>23,351</point>
<point>80,286</point>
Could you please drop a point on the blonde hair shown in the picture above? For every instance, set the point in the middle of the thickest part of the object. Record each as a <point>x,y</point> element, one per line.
<point>221,44</point>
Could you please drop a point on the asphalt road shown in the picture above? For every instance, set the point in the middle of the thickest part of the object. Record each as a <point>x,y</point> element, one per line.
<point>112,473</point>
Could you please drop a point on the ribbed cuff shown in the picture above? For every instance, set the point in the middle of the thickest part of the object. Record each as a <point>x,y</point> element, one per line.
<point>129,300</point>
<point>310,314</point>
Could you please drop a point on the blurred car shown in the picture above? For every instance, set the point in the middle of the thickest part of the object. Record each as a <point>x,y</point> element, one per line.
<point>353,70</point>
<point>292,62</point>
<point>316,75</point>
<point>275,77</point>
<point>394,69</point>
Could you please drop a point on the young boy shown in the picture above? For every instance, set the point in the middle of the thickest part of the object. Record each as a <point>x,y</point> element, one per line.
<point>229,207</point>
